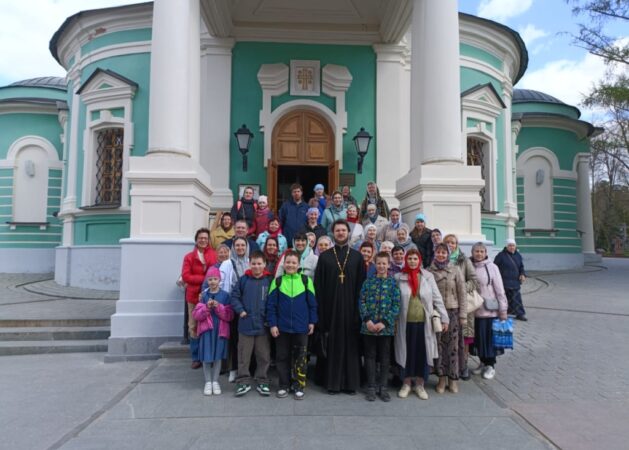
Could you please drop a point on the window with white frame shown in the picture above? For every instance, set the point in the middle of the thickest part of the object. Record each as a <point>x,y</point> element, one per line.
<point>478,154</point>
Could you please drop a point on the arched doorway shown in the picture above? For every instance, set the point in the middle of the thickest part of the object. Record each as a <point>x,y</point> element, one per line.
<point>302,151</point>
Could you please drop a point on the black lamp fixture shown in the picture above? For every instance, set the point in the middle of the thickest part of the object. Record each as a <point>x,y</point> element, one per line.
<point>361,142</point>
<point>243,137</point>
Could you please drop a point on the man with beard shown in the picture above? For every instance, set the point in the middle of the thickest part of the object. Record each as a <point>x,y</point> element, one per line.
<point>338,279</point>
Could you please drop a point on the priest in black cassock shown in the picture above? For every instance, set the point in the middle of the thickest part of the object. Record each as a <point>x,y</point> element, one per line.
<point>338,279</point>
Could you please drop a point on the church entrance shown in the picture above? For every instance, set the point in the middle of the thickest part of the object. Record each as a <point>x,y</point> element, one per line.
<point>302,152</point>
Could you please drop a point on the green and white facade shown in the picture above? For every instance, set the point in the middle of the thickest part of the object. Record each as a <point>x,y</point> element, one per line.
<point>167,83</point>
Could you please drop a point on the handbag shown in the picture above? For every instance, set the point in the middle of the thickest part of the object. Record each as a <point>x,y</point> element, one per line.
<point>490,304</point>
<point>502,333</point>
<point>474,301</point>
<point>437,327</point>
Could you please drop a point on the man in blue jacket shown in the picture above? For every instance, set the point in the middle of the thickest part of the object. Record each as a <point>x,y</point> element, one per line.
<point>511,266</point>
<point>293,213</point>
<point>248,299</point>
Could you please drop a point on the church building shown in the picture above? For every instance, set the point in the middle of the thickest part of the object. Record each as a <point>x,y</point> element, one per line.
<point>106,174</point>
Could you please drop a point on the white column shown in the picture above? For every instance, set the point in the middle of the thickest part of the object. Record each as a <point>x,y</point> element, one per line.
<point>174,60</point>
<point>435,83</point>
<point>510,203</point>
<point>584,207</point>
<point>389,118</point>
<point>216,71</point>
<point>170,194</point>
<point>438,184</point>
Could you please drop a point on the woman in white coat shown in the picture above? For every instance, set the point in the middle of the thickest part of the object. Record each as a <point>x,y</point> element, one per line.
<point>415,339</point>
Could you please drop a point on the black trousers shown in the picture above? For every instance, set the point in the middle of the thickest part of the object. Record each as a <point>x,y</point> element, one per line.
<point>377,348</point>
<point>291,362</point>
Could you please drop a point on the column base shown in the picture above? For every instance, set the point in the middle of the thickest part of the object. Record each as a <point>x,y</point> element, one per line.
<point>222,199</point>
<point>89,266</point>
<point>150,309</point>
<point>592,258</point>
<point>448,195</point>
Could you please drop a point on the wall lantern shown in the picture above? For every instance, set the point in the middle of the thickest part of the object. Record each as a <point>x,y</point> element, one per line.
<point>243,137</point>
<point>361,142</point>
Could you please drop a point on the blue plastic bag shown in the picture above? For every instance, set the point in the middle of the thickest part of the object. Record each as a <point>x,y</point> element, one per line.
<point>502,333</point>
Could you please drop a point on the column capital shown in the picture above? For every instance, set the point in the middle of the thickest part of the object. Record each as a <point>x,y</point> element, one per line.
<point>583,158</point>
<point>395,53</point>
<point>216,46</point>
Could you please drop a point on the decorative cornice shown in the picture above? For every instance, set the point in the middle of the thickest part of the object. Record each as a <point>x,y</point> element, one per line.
<point>217,17</point>
<point>396,20</point>
<point>335,79</point>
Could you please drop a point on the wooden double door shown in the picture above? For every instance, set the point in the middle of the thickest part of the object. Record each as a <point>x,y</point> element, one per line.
<point>303,152</point>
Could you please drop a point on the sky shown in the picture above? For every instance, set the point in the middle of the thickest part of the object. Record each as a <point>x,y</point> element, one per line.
<point>556,66</point>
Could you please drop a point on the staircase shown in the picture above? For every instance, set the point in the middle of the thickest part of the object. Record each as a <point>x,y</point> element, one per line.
<point>38,336</point>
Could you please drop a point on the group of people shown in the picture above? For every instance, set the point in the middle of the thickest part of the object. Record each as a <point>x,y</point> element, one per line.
<point>349,284</point>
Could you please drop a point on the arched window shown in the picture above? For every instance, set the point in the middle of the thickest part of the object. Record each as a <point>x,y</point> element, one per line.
<point>109,167</point>
<point>478,154</point>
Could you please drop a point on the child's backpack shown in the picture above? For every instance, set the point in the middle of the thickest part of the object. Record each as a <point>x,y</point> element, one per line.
<point>304,280</point>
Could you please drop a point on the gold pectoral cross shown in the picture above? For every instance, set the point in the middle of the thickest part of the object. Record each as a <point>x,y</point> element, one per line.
<point>342,277</point>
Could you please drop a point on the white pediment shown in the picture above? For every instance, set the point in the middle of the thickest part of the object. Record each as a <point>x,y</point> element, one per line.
<point>106,84</point>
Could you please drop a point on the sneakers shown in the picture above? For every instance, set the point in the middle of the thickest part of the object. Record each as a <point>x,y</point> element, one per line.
<point>263,389</point>
<point>232,376</point>
<point>207,390</point>
<point>282,393</point>
<point>299,394</point>
<point>406,389</point>
<point>371,394</point>
<point>242,389</point>
<point>420,392</point>
<point>479,370</point>
<point>384,395</point>
<point>216,388</point>
<point>489,373</point>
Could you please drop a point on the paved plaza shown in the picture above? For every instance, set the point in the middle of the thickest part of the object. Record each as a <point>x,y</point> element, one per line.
<point>564,386</point>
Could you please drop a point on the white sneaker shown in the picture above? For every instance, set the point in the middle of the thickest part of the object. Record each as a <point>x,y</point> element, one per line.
<point>489,373</point>
<point>421,392</point>
<point>216,388</point>
<point>479,370</point>
<point>406,389</point>
<point>207,390</point>
<point>232,376</point>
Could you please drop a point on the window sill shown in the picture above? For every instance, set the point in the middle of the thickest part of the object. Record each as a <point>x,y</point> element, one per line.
<point>551,231</point>
<point>41,225</point>
<point>98,207</point>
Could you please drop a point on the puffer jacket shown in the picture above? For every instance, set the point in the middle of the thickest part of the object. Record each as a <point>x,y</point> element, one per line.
<point>206,320</point>
<point>249,295</point>
<point>193,272</point>
<point>452,288</point>
<point>292,306</point>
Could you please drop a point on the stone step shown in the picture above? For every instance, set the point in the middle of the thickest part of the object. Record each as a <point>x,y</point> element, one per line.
<point>170,350</point>
<point>53,333</point>
<point>39,347</point>
<point>28,323</point>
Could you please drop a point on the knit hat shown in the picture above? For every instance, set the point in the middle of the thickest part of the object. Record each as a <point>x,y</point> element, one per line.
<point>318,187</point>
<point>421,217</point>
<point>263,198</point>
<point>213,272</point>
<point>510,241</point>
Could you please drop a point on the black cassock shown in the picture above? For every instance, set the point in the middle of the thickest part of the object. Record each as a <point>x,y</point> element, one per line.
<point>339,318</point>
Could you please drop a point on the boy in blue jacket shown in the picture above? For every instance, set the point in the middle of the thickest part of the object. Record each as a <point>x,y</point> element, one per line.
<point>248,300</point>
<point>292,315</point>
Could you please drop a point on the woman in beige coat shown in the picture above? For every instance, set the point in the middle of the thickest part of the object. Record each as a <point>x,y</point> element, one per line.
<point>464,264</point>
<point>452,288</point>
<point>415,339</point>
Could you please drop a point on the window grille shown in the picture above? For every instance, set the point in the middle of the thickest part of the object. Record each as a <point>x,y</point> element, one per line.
<point>109,166</point>
<point>476,157</point>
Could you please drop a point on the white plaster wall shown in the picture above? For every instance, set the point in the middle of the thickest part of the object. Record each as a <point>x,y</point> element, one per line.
<point>91,267</point>
<point>27,260</point>
<point>31,192</point>
<point>552,261</point>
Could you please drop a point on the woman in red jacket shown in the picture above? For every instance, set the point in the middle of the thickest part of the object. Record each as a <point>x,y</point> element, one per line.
<point>195,264</point>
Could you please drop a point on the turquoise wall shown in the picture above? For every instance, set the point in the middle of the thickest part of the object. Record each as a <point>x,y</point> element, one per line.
<point>15,126</point>
<point>8,92</point>
<point>565,145</point>
<point>117,37</point>
<point>552,108</point>
<point>101,229</point>
<point>247,101</point>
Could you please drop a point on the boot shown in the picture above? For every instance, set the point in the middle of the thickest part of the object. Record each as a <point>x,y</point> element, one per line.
<point>441,386</point>
<point>453,386</point>
<point>371,394</point>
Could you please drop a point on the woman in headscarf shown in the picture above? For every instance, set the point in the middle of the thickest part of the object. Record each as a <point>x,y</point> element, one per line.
<point>452,289</point>
<point>355,228</point>
<point>222,229</point>
<point>307,258</point>
<point>273,229</point>
<point>403,239</point>
<point>415,339</point>
<point>370,232</point>
<point>465,266</point>
<point>323,243</point>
